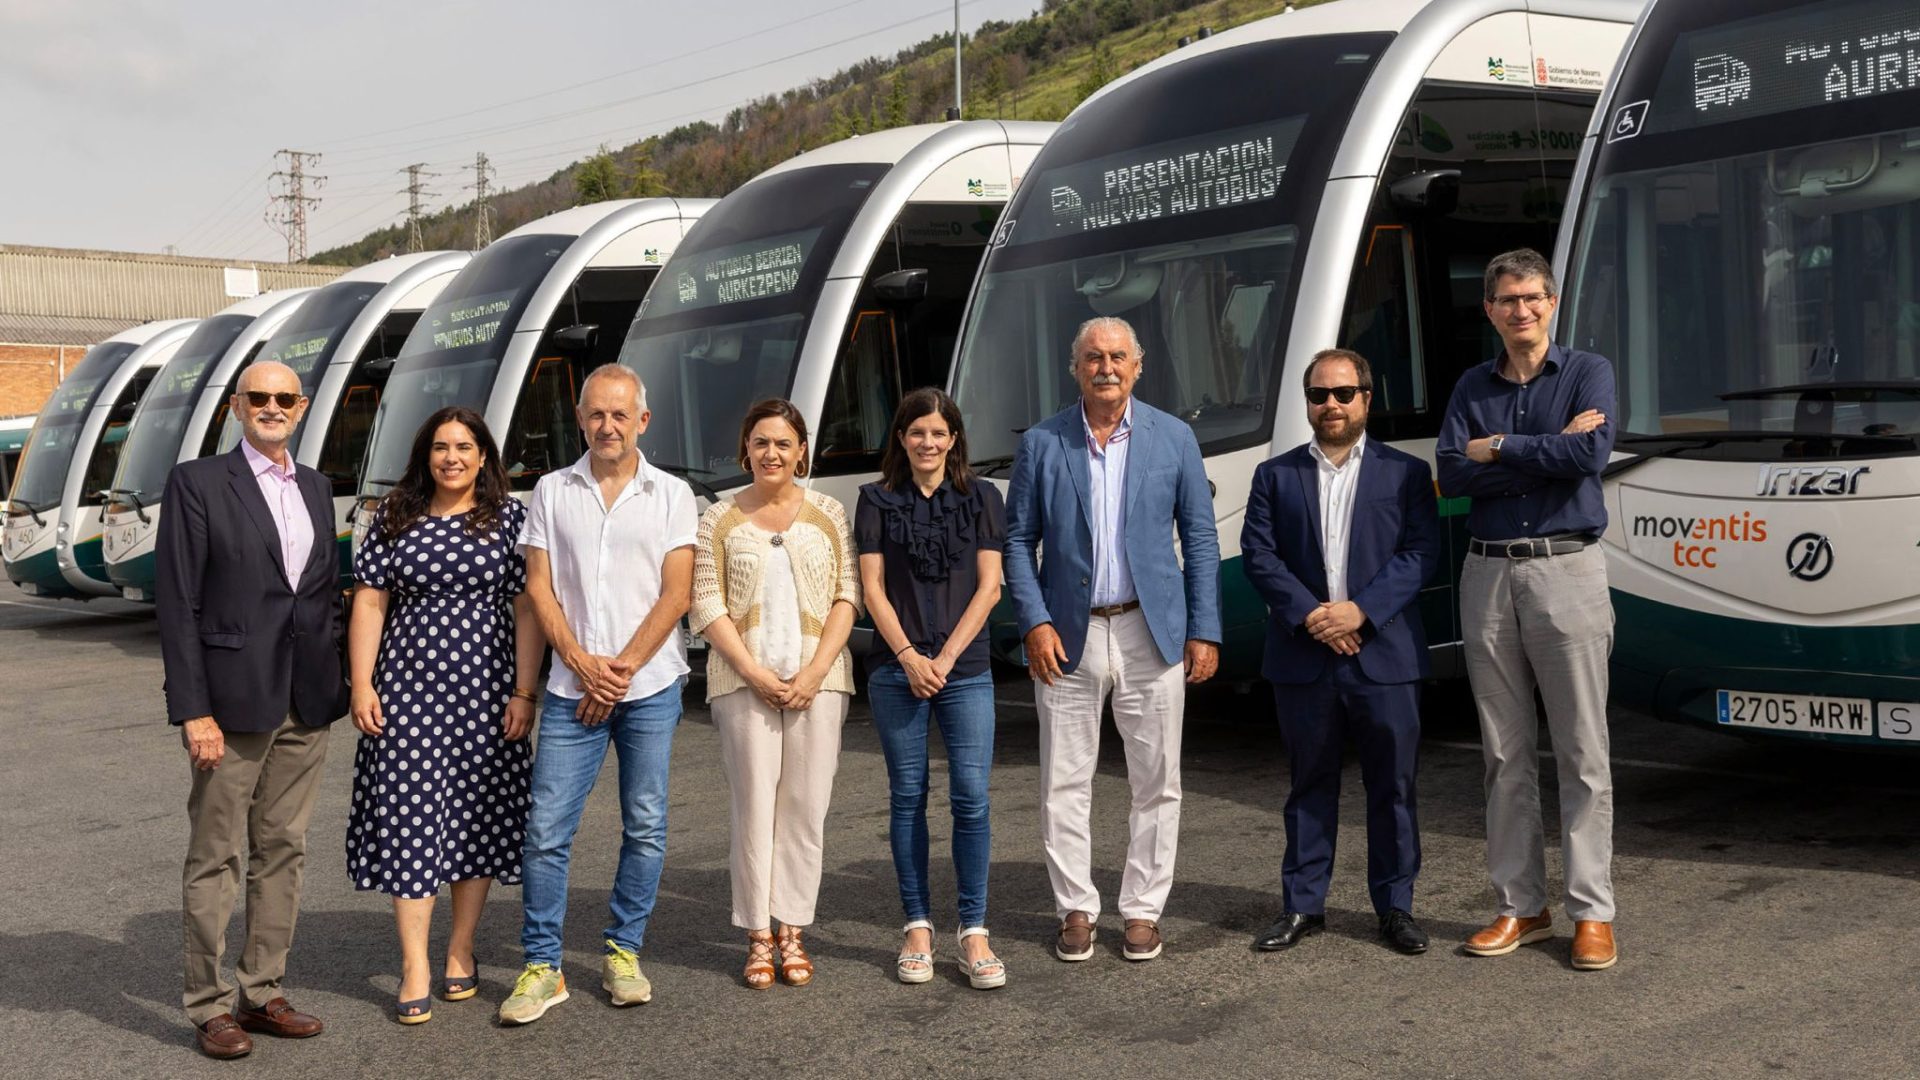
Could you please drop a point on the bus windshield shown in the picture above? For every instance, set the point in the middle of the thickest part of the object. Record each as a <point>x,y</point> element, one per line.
<point>160,423</point>
<point>307,341</point>
<point>1181,202</point>
<point>455,349</point>
<point>1749,254</point>
<point>50,449</point>
<point>724,323</point>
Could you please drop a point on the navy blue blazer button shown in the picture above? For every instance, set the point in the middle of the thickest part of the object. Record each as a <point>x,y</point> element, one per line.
<point>1083,581</point>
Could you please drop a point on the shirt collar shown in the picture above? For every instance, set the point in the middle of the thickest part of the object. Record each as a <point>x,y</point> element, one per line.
<point>1353,455</point>
<point>1555,353</point>
<point>1124,427</point>
<point>583,471</point>
<point>261,463</point>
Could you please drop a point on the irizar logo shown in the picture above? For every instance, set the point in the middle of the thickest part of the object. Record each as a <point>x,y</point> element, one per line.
<point>1778,481</point>
<point>1809,556</point>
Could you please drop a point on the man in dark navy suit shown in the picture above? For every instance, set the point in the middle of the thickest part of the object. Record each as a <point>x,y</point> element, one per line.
<point>249,611</point>
<point>1340,536</point>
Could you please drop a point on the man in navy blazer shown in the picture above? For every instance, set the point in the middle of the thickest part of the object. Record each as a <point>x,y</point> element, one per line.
<point>1103,488</point>
<point>249,612</point>
<point>1340,536</point>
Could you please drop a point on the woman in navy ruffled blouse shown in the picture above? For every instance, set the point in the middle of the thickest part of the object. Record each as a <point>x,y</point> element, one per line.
<point>930,536</point>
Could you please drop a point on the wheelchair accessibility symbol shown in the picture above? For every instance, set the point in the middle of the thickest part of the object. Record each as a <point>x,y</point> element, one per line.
<point>1627,121</point>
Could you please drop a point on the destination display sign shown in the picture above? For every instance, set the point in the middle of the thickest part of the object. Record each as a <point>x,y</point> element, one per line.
<point>180,378</point>
<point>301,352</point>
<point>469,320</point>
<point>1220,169</point>
<point>752,270</point>
<point>1820,54</point>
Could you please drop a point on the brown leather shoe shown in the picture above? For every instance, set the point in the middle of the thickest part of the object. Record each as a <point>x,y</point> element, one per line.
<point>1593,947</point>
<point>281,1019</point>
<point>222,1038</point>
<point>1509,933</point>
<point>1076,937</point>
<point>1143,940</point>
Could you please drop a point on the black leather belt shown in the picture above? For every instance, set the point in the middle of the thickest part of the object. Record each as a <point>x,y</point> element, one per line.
<point>1538,547</point>
<point>1111,610</point>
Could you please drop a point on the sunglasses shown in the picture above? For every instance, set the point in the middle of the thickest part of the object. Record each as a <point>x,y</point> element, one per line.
<point>1317,395</point>
<point>259,398</point>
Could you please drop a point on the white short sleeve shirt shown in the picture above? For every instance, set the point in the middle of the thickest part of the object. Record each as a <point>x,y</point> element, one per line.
<point>606,563</point>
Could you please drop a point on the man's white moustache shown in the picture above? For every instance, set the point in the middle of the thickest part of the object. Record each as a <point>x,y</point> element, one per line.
<point>1106,380</point>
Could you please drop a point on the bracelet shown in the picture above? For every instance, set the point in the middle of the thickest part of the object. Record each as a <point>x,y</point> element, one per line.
<point>902,649</point>
<point>525,695</point>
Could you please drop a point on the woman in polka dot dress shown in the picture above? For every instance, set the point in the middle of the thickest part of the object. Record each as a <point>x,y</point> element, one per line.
<point>443,643</point>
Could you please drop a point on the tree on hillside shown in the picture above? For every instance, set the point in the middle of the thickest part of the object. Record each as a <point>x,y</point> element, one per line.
<point>1100,72</point>
<point>643,180</point>
<point>597,179</point>
<point>897,101</point>
<point>989,91</point>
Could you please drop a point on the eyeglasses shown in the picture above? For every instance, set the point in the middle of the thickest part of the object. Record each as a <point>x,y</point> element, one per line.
<point>1533,300</point>
<point>259,398</point>
<point>1317,395</point>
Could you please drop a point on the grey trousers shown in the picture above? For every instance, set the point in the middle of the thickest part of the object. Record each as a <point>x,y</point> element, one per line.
<point>1545,623</point>
<point>255,807</point>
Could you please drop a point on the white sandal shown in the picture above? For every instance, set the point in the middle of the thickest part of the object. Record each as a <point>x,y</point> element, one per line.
<point>976,970</point>
<point>923,973</point>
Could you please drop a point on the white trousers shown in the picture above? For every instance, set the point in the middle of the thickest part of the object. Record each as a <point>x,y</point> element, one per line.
<point>1149,701</point>
<point>779,765</point>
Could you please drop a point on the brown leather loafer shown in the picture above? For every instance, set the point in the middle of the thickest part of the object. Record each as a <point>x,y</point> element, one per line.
<point>1143,940</point>
<point>278,1018</point>
<point>1593,947</point>
<point>1076,937</point>
<point>222,1038</point>
<point>1509,933</point>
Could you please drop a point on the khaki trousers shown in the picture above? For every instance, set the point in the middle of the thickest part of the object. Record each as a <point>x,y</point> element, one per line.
<point>780,765</point>
<point>1543,623</point>
<point>1149,704</point>
<point>254,805</point>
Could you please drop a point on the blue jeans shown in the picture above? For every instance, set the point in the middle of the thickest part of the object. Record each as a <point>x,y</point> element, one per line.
<point>565,765</point>
<point>964,710</point>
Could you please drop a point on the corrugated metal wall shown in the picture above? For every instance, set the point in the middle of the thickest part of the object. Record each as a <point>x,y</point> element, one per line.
<point>41,284</point>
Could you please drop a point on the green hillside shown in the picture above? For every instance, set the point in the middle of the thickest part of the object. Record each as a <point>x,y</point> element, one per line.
<point>1036,68</point>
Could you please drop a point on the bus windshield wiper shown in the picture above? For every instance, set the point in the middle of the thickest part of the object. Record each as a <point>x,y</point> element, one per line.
<point>686,472</point>
<point>1699,440</point>
<point>1831,391</point>
<point>132,495</point>
<point>992,466</point>
<point>33,509</point>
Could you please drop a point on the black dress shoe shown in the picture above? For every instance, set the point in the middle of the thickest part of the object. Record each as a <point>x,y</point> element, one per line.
<point>1402,934</point>
<point>1288,931</point>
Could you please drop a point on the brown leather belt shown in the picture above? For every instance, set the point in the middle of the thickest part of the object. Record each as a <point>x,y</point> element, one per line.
<point>1111,610</point>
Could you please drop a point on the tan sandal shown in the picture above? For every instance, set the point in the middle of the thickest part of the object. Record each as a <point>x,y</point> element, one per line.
<point>759,970</point>
<point>795,967</point>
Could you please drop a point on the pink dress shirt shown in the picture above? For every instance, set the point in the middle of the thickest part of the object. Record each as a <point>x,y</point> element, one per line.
<point>281,488</point>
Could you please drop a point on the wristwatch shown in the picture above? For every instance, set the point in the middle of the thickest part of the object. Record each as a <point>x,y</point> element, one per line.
<point>1494,445</point>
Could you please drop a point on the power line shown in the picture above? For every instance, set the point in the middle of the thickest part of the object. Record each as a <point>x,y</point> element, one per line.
<point>289,218</point>
<point>415,191</point>
<point>482,207</point>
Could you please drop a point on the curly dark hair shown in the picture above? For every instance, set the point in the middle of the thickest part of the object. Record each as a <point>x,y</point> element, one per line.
<point>895,470</point>
<point>407,502</point>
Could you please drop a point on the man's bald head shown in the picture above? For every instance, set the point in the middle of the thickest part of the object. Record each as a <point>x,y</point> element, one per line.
<point>268,401</point>
<point>271,376</point>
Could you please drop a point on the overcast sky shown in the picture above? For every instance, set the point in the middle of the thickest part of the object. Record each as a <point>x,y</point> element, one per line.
<point>131,125</point>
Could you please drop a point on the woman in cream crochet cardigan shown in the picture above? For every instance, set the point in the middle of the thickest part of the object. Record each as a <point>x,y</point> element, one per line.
<point>775,594</point>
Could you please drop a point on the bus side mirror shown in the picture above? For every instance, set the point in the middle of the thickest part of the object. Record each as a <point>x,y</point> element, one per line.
<point>1434,193</point>
<point>378,364</point>
<point>576,340</point>
<point>901,287</point>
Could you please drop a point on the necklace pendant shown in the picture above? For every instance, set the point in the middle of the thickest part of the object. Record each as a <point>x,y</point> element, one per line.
<point>778,540</point>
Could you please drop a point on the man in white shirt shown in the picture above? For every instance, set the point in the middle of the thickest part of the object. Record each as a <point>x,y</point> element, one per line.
<point>1340,536</point>
<point>609,547</point>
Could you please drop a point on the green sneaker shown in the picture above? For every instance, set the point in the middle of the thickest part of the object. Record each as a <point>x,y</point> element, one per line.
<point>620,977</point>
<point>540,987</point>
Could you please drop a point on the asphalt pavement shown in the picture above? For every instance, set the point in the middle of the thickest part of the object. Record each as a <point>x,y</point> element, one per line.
<point>1768,897</point>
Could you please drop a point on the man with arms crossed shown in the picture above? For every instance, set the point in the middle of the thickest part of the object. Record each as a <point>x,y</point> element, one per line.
<point>1526,436</point>
<point>248,600</point>
<point>1103,487</point>
<point>1340,536</point>
<point>609,546</point>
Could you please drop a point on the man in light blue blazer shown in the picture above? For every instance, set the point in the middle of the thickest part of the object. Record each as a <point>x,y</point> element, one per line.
<point>1103,488</point>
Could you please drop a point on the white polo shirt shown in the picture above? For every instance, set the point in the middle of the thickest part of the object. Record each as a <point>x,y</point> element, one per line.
<point>606,563</point>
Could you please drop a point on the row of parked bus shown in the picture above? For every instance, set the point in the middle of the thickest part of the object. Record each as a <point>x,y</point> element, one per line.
<point>1733,202</point>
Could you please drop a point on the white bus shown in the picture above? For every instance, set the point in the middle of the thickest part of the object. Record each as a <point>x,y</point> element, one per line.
<point>516,331</point>
<point>342,342</point>
<point>1336,176</point>
<point>1746,249</point>
<point>180,421</point>
<point>52,533</point>
<point>837,280</point>
<point>13,439</point>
